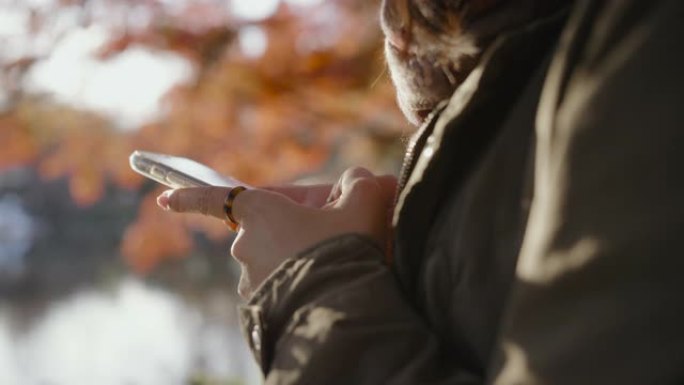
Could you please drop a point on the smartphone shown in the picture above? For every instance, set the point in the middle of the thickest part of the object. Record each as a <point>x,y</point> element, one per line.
<point>178,172</point>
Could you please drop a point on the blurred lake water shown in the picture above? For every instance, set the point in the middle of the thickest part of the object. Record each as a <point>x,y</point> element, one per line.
<point>132,334</point>
<point>73,313</point>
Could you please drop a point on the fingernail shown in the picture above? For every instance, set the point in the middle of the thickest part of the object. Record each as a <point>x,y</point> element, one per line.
<point>163,200</point>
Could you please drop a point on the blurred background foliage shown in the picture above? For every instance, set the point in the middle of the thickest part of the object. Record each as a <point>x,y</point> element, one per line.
<point>268,91</point>
<point>267,100</point>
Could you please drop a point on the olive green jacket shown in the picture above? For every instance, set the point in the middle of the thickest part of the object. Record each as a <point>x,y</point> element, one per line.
<point>538,230</point>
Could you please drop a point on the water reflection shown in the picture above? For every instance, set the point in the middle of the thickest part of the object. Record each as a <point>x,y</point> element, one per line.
<point>16,235</point>
<point>133,334</point>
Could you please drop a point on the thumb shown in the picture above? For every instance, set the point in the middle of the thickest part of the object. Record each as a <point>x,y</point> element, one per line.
<point>359,187</point>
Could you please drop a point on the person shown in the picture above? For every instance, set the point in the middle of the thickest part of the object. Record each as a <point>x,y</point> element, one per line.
<point>536,233</point>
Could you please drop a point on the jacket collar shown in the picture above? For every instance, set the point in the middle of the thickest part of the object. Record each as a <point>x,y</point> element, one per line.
<point>444,151</point>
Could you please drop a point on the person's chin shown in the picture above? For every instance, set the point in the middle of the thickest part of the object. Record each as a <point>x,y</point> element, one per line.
<point>416,113</point>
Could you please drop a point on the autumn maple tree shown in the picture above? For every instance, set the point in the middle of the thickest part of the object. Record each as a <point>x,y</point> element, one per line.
<point>268,118</point>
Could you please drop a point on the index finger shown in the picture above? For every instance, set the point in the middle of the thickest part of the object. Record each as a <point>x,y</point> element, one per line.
<point>202,200</point>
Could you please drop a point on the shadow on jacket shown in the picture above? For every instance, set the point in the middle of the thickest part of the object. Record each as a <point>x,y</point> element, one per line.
<point>537,231</point>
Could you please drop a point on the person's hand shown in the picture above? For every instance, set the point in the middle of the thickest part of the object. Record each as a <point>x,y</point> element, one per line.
<point>276,223</point>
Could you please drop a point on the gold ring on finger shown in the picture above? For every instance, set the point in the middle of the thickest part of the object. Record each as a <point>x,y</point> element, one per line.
<point>228,207</point>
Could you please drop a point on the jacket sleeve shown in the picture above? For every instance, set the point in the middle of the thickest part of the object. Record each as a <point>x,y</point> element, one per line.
<point>334,315</point>
<point>599,297</point>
